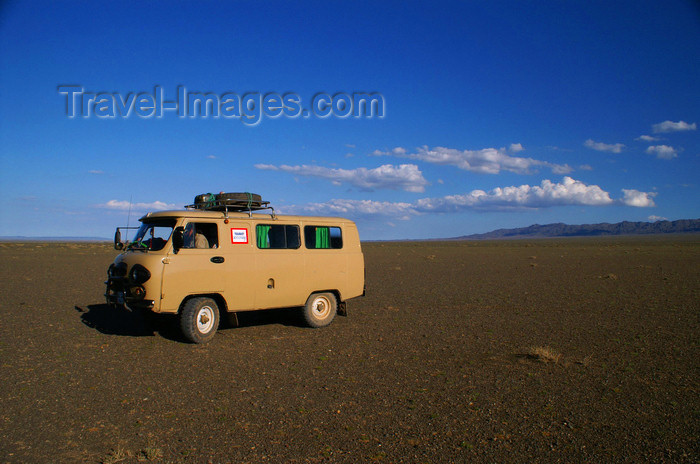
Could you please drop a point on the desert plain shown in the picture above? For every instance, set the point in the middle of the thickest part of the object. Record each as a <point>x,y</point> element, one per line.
<point>553,351</point>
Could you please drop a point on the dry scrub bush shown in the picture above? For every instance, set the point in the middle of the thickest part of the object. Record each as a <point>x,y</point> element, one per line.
<point>544,354</point>
<point>116,455</point>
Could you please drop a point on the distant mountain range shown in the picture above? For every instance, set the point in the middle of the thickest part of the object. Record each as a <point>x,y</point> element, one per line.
<point>590,230</point>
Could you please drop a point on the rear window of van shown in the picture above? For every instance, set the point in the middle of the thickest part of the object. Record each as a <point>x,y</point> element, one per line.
<point>323,237</point>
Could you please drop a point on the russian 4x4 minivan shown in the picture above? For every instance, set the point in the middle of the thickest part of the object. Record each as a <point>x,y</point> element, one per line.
<point>222,255</point>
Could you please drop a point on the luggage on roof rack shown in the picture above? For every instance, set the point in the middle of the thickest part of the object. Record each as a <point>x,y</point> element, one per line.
<point>237,201</point>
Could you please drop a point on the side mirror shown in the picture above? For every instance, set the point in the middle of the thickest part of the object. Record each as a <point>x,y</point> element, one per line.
<point>118,245</point>
<point>178,238</point>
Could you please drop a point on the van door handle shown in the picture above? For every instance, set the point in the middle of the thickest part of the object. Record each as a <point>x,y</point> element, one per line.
<point>217,259</point>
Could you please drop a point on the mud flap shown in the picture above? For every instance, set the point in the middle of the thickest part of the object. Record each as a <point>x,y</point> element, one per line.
<point>232,319</point>
<point>342,308</point>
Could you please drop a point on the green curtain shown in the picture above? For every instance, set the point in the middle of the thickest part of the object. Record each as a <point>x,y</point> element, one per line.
<point>261,233</point>
<point>323,237</point>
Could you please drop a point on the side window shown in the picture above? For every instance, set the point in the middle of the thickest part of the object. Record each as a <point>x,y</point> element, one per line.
<point>277,236</point>
<point>201,235</point>
<point>323,237</point>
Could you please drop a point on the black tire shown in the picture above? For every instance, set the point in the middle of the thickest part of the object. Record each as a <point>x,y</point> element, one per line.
<point>199,319</point>
<point>320,309</point>
<point>254,197</point>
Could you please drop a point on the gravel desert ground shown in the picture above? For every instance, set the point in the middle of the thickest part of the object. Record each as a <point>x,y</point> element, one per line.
<point>569,350</point>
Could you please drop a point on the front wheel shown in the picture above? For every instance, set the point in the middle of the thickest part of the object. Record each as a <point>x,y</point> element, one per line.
<point>320,309</point>
<point>199,319</point>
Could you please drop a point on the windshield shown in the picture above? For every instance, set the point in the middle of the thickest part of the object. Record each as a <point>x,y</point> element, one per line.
<point>152,235</point>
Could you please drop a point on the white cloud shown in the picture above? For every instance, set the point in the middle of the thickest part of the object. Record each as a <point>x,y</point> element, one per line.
<point>638,199</point>
<point>654,218</point>
<point>670,126</point>
<point>405,176</point>
<point>484,161</point>
<point>398,151</point>
<point>568,192</point>
<point>548,193</point>
<point>585,167</point>
<point>211,157</point>
<point>559,168</point>
<point>663,151</point>
<point>515,147</point>
<point>125,206</point>
<point>95,171</point>
<point>600,146</point>
<point>401,211</point>
<point>647,138</point>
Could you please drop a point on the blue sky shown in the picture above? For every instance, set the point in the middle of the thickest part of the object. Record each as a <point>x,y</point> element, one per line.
<point>496,114</point>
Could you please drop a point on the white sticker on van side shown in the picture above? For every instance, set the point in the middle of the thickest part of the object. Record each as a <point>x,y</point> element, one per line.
<point>239,235</point>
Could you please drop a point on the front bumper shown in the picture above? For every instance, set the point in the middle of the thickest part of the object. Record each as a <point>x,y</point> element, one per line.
<point>120,292</point>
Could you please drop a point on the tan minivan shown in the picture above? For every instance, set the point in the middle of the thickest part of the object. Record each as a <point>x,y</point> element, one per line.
<point>218,255</point>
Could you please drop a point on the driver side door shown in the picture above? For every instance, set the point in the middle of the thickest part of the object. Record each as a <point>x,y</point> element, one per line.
<point>193,271</point>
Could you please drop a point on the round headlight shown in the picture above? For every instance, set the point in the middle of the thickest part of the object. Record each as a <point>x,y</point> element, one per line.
<point>119,270</point>
<point>139,274</point>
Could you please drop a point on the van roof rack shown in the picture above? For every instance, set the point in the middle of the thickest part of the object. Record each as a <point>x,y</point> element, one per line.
<point>230,202</point>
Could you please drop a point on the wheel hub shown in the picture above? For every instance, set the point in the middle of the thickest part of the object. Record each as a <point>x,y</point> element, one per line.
<point>205,319</point>
<point>320,307</point>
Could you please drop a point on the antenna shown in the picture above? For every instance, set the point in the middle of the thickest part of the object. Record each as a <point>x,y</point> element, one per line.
<point>128,218</point>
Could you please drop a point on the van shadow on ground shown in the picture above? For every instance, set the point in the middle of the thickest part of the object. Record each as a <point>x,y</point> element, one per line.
<point>285,316</point>
<point>123,322</point>
<point>119,321</point>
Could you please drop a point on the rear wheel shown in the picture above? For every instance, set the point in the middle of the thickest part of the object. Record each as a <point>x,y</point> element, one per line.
<point>320,309</point>
<point>199,319</point>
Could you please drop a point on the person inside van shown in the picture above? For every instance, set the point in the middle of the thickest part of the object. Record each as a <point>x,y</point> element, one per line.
<point>193,238</point>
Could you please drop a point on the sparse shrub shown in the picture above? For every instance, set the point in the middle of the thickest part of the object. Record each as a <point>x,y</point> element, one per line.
<point>150,453</point>
<point>544,354</point>
<point>116,455</point>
